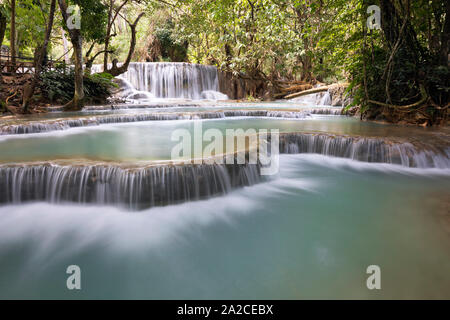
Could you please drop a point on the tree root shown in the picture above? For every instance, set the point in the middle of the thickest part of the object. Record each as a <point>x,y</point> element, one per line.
<point>424,99</point>
<point>392,106</point>
<point>6,103</point>
<point>74,105</point>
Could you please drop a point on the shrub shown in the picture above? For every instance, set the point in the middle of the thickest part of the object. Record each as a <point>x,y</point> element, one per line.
<point>58,86</point>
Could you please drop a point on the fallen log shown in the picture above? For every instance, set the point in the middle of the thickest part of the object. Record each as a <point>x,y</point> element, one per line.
<point>297,88</point>
<point>307,92</point>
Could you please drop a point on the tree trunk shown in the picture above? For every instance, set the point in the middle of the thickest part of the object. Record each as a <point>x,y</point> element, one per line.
<point>115,70</point>
<point>65,46</point>
<point>392,20</point>
<point>41,53</point>
<point>445,37</point>
<point>111,19</point>
<point>108,33</point>
<point>78,99</point>
<point>77,102</point>
<point>3,23</point>
<point>2,27</point>
<point>12,49</point>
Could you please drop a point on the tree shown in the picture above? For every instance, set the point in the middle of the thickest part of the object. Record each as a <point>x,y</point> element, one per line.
<point>101,32</point>
<point>445,36</point>
<point>399,72</point>
<point>115,70</point>
<point>113,13</point>
<point>13,32</point>
<point>3,22</point>
<point>77,102</point>
<point>41,53</point>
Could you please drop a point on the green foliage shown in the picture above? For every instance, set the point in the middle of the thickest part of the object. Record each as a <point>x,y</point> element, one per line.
<point>30,25</point>
<point>438,83</point>
<point>323,40</point>
<point>415,65</point>
<point>94,19</point>
<point>171,49</point>
<point>58,86</point>
<point>287,38</point>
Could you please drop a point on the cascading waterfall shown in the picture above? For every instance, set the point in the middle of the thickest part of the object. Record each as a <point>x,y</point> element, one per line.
<point>375,150</point>
<point>326,99</point>
<point>142,187</point>
<point>175,80</point>
<point>312,99</point>
<point>333,111</point>
<point>319,99</point>
<point>134,188</point>
<point>130,93</point>
<point>214,95</point>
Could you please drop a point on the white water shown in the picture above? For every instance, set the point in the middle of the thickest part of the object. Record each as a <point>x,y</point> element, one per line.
<point>132,188</point>
<point>319,99</point>
<point>169,80</point>
<point>309,233</point>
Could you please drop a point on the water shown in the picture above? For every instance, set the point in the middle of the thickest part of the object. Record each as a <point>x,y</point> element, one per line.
<point>145,81</point>
<point>137,113</point>
<point>98,189</point>
<point>309,233</point>
<point>151,140</point>
<point>321,99</point>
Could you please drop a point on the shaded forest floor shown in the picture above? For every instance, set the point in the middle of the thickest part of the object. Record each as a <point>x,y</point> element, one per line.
<point>11,95</point>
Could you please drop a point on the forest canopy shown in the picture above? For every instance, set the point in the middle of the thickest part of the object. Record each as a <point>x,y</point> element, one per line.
<point>397,67</point>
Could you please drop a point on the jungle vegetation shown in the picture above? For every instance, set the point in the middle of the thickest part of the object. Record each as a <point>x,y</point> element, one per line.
<point>398,68</point>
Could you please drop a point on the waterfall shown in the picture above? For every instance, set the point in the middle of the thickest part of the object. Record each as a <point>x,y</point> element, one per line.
<point>334,111</point>
<point>326,99</point>
<point>64,124</point>
<point>311,99</point>
<point>132,188</point>
<point>214,95</point>
<point>319,99</point>
<point>147,186</point>
<point>127,91</point>
<point>172,80</point>
<point>378,150</point>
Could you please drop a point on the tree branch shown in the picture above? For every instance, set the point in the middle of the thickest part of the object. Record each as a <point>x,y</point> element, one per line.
<point>115,70</point>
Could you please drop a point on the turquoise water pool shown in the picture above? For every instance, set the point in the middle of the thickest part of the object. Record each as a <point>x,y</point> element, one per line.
<point>309,231</point>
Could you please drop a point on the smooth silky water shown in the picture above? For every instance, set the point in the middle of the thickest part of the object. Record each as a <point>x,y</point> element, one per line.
<point>310,231</point>
<point>127,113</point>
<point>152,140</point>
<point>148,140</point>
